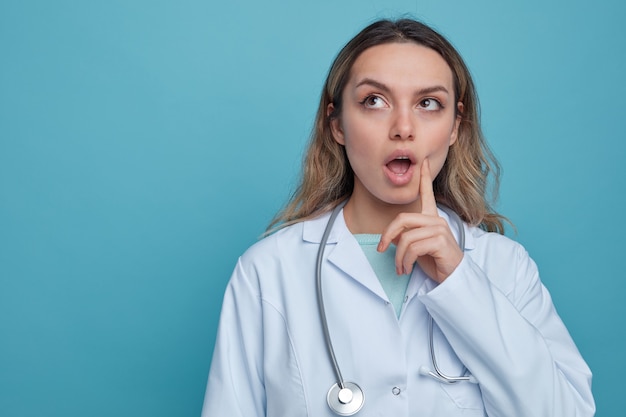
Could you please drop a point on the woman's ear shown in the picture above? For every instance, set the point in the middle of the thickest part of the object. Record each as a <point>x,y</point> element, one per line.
<point>335,125</point>
<point>459,115</point>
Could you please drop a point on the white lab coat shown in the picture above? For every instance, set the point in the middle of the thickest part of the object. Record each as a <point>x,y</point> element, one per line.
<point>493,316</point>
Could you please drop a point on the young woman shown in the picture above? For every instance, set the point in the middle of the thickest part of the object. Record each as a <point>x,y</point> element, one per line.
<point>388,289</point>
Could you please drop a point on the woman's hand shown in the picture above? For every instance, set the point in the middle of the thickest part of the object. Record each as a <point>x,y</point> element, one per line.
<point>423,237</point>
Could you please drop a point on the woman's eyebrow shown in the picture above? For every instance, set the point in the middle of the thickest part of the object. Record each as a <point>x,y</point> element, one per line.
<point>433,89</point>
<point>386,89</point>
<point>373,83</point>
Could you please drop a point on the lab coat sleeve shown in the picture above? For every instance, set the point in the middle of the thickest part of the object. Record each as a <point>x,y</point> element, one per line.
<point>235,385</point>
<point>513,343</point>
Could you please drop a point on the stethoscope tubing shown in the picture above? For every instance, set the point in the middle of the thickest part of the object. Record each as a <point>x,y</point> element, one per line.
<point>320,296</point>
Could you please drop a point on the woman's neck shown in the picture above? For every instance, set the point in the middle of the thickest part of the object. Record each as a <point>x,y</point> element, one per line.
<point>365,215</point>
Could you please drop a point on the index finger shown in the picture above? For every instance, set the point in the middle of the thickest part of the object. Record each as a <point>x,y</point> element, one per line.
<point>426,193</point>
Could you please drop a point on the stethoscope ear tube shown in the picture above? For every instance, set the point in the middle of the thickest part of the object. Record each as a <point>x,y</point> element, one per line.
<point>436,372</point>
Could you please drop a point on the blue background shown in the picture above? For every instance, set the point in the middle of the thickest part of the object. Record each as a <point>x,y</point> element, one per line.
<point>145,144</point>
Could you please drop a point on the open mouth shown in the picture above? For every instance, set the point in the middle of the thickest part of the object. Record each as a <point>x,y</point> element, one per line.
<point>399,165</point>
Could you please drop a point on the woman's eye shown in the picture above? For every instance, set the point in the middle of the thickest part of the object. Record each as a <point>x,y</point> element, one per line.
<point>430,104</point>
<point>373,102</point>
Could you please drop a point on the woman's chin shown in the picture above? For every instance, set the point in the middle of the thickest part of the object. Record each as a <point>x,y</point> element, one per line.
<point>401,200</point>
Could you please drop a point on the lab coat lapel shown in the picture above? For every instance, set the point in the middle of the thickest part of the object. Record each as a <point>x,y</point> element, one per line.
<point>345,254</point>
<point>419,283</point>
<point>348,256</point>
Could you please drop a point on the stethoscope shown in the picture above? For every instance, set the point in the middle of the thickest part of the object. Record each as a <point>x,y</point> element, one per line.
<point>346,398</point>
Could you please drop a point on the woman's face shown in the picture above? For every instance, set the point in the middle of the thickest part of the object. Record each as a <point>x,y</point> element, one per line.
<point>398,110</point>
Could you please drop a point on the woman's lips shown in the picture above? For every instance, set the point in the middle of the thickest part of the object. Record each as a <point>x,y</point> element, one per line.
<point>399,167</point>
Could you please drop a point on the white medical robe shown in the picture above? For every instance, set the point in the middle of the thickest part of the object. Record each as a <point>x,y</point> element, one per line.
<point>493,317</point>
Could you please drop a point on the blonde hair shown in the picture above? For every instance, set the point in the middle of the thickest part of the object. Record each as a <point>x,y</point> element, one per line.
<point>327,178</point>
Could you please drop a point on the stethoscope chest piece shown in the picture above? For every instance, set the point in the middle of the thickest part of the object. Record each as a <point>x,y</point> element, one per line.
<point>345,401</point>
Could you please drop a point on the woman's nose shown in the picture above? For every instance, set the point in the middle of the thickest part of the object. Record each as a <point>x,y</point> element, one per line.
<point>403,125</point>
